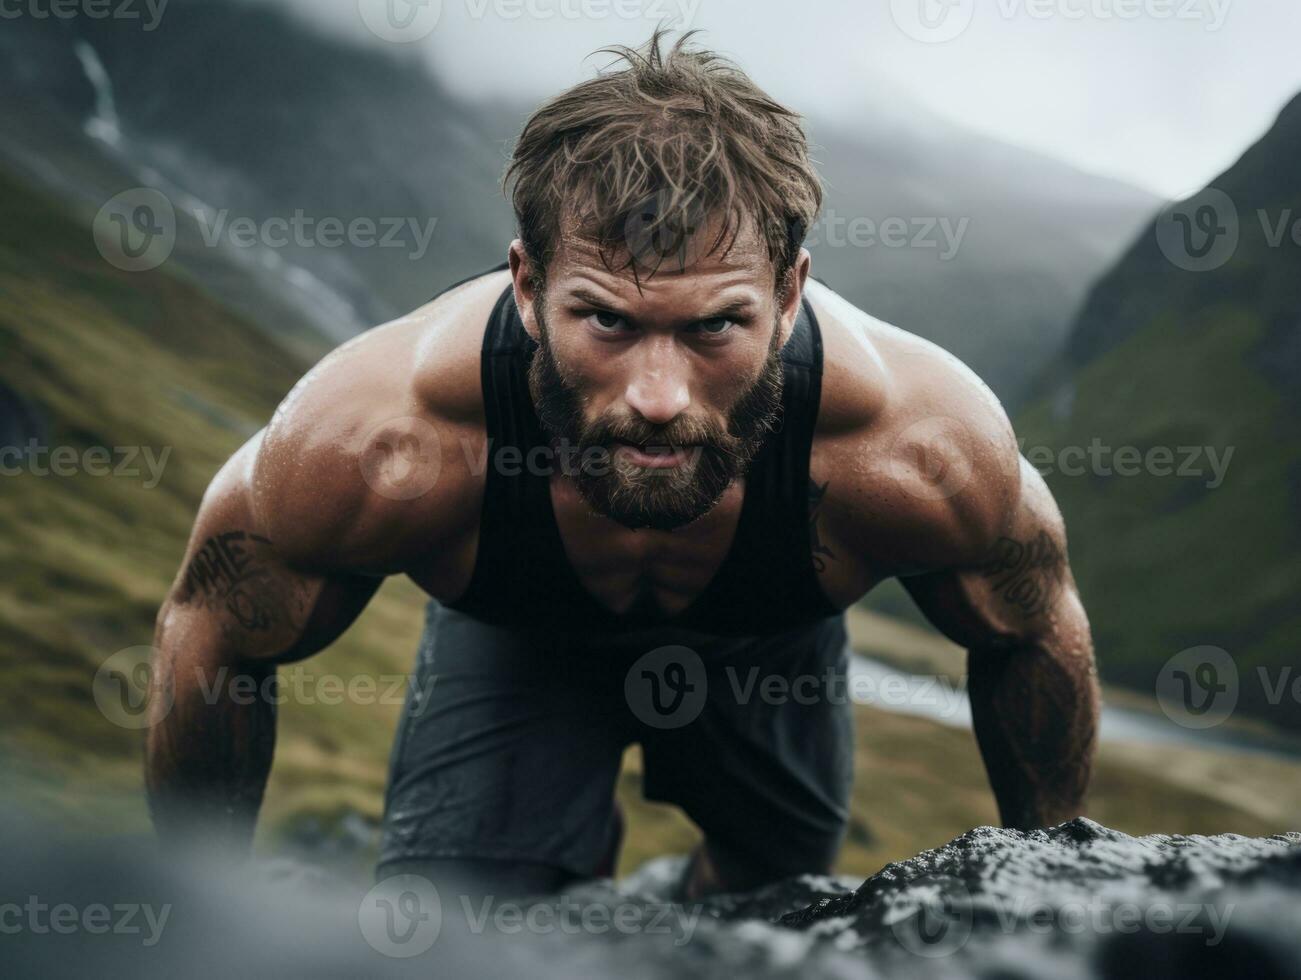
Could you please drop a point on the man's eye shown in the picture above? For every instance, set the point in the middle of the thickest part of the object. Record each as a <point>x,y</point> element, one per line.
<point>610,322</point>
<point>715,326</point>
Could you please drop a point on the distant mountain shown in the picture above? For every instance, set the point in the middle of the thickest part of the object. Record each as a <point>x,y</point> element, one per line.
<point>1193,339</point>
<point>1008,241</point>
<point>243,110</point>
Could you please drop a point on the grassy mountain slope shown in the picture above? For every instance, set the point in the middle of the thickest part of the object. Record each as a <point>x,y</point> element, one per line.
<point>107,358</point>
<point>1164,356</point>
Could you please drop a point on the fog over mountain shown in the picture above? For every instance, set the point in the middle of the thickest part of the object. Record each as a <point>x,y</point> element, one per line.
<point>241,112</point>
<point>1157,93</point>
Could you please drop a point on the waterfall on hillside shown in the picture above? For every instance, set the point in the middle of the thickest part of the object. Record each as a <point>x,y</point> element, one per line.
<point>104,124</point>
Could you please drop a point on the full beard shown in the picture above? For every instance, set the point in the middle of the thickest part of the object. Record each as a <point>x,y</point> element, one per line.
<point>661,498</point>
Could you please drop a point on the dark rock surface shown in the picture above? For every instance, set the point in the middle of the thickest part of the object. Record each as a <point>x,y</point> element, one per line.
<point>1078,901</point>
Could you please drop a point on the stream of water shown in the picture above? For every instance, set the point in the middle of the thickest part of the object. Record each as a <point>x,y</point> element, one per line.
<point>881,685</point>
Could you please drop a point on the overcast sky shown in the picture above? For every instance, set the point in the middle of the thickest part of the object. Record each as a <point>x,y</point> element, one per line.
<point>1162,93</point>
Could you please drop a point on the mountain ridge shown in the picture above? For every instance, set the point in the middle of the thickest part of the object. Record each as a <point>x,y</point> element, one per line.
<point>1193,341</point>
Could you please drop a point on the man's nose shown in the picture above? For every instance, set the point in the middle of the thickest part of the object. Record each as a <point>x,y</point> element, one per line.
<point>658,390</point>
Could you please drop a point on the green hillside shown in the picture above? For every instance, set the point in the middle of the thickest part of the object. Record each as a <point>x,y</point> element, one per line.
<point>1174,350</point>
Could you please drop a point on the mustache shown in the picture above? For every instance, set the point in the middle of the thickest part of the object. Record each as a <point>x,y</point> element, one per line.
<point>684,432</point>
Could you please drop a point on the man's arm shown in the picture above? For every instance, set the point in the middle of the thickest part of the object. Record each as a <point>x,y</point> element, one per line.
<point>236,609</point>
<point>1031,675</point>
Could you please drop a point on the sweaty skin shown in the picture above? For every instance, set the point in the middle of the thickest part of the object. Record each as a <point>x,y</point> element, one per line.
<point>374,465</point>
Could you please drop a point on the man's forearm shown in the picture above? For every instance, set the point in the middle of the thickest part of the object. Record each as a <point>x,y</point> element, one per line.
<point>209,749</point>
<point>1035,711</point>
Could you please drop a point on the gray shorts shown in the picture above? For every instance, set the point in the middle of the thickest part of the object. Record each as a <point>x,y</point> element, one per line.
<point>510,744</point>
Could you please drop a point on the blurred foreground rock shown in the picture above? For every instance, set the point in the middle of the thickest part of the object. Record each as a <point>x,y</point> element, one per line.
<point>1077,901</point>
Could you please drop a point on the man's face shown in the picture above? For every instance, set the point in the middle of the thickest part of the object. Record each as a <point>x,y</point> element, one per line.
<point>666,392</point>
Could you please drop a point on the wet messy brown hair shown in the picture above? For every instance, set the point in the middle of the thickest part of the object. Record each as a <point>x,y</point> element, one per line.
<point>662,137</point>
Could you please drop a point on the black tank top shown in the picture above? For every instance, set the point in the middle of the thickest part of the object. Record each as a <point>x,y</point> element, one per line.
<point>523,579</point>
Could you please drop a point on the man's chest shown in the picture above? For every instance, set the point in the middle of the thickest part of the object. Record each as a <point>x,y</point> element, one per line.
<point>627,569</point>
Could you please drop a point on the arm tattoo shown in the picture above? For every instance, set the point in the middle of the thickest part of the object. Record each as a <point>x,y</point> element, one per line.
<point>227,573</point>
<point>1026,573</point>
<point>821,553</point>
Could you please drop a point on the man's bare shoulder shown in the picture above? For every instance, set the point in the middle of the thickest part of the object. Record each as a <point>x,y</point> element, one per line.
<point>919,461</point>
<point>364,464</point>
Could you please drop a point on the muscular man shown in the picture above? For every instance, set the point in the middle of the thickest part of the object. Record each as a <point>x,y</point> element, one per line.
<point>647,456</point>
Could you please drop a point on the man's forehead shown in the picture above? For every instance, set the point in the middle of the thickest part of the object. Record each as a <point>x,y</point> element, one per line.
<point>740,258</point>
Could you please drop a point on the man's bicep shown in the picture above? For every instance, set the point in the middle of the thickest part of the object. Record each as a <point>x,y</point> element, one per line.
<point>236,594</point>
<point>1017,590</point>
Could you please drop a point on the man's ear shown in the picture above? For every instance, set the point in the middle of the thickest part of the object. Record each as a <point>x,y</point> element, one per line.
<point>790,299</point>
<point>521,273</point>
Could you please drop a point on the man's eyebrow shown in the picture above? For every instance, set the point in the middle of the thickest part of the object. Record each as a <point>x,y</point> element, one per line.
<point>585,295</point>
<point>736,308</point>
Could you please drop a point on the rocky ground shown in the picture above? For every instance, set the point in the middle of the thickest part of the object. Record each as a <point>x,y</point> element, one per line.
<point>1078,901</point>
